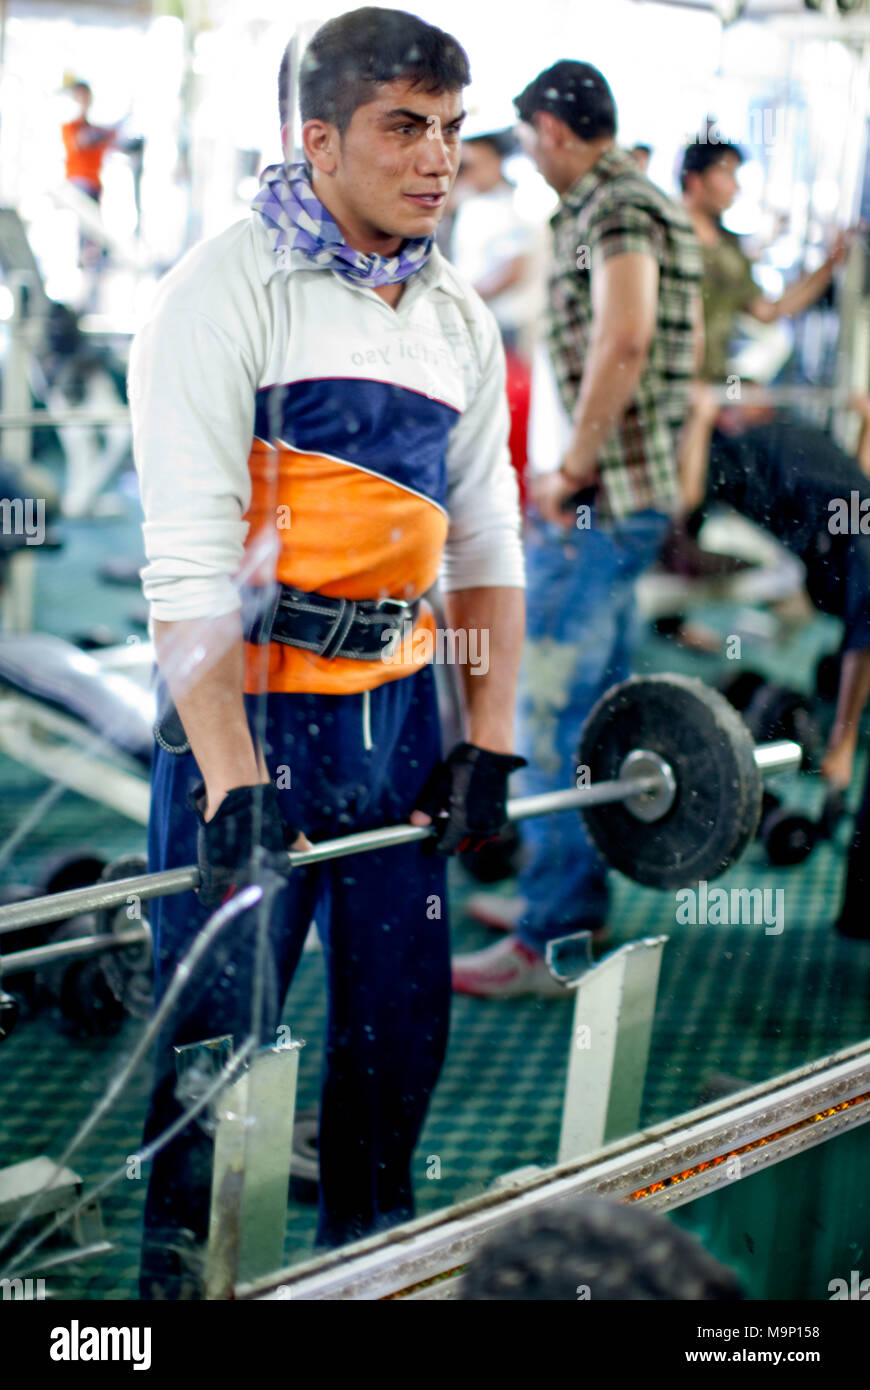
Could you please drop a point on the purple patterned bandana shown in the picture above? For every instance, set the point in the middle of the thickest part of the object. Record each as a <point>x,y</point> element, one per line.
<point>296,219</point>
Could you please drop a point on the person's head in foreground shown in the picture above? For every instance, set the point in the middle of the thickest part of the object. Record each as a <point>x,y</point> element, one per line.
<point>592,1248</point>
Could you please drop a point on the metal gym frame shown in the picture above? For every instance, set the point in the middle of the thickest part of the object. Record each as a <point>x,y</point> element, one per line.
<point>664,1167</point>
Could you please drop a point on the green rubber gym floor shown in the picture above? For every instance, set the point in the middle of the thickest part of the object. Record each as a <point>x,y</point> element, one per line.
<point>731,1000</point>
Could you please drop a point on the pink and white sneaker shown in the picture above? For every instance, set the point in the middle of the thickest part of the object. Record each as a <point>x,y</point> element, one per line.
<point>503,971</point>
<point>503,914</point>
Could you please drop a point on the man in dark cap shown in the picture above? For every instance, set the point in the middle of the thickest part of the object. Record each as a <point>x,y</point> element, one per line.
<point>623,336</point>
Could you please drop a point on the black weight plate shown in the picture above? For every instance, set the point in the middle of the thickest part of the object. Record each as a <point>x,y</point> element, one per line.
<point>50,977</point>
<point>91,996</point>
<point>116,918</point>
<point>771,712</point>
<point>738,687</point>
<point>75,868</point>
<point>717,804</point>
<point>88,989</point>
<point>136,963</point>
<point>22,939</point>
<point>777,712</point>
<point>789,838</point>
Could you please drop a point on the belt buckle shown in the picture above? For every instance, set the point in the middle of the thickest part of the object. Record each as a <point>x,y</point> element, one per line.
<point>401,604</point>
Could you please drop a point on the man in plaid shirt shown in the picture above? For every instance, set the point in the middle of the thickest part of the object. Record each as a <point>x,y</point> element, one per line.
<point>624,337</point>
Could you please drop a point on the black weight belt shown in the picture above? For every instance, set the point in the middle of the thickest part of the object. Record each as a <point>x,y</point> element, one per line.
<point>361,629</point>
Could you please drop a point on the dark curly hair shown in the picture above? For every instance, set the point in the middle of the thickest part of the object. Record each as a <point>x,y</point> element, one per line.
<point>612,1249</point>
<point>349,57</point>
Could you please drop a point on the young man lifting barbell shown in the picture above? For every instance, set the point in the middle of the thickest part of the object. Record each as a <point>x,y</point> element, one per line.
<point>320,425</point>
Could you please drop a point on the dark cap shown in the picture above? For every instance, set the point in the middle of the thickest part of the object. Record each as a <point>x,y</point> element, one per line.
<point>575,92</point>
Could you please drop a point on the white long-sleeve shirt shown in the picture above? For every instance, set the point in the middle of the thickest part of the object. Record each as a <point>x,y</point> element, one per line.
<point>391,426</point>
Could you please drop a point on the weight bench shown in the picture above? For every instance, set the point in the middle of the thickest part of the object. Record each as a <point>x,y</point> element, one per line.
<point>775,573</point>
<point>85,720</point>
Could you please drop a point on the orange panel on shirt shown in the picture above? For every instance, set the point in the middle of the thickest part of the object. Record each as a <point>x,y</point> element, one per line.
<point>82,163</point>
<point>330,527</point>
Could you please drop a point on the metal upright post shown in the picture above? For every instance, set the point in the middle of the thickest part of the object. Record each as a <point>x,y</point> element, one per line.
<point>16,608</point>
<point>253,1143</point>
<point>614,1008</point>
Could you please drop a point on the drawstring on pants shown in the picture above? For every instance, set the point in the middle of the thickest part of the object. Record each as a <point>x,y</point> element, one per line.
<point>367,720</point>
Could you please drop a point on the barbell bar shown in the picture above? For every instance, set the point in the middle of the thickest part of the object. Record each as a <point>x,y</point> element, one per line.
<point>56,907</point>
<point>756,393</point>
<point>718,804</point>
<point>35,957</point>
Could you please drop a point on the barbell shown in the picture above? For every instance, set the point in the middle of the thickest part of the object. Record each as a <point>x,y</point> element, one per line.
<point>784,394</point>
<point>669,786</point>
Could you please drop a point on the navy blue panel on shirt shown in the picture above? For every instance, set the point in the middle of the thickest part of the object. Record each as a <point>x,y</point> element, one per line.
<point>399,434</point>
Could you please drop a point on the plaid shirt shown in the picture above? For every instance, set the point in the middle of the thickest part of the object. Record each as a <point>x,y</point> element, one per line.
<point>612,210</point>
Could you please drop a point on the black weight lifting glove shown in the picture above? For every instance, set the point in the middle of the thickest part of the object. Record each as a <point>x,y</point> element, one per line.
<point>226,847</point>
<point>471,786</point>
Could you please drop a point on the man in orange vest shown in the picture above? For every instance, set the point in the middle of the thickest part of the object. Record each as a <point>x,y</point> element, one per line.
<point>86,144</point>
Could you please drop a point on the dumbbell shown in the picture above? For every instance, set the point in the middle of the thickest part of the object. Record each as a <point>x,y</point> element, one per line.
<point>789,836</point>
<point>63,870</point>
<point>88,991</point>
<point>85,990</point>
<point>773,711</point>
<point>739,686</point>
<point>77,967</point>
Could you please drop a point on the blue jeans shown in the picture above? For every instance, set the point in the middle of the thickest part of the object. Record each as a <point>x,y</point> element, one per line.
<point>580,589</point>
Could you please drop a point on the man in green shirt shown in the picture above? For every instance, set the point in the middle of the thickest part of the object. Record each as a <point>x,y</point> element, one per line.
<point>778,472</point>
<point>709,184</point>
